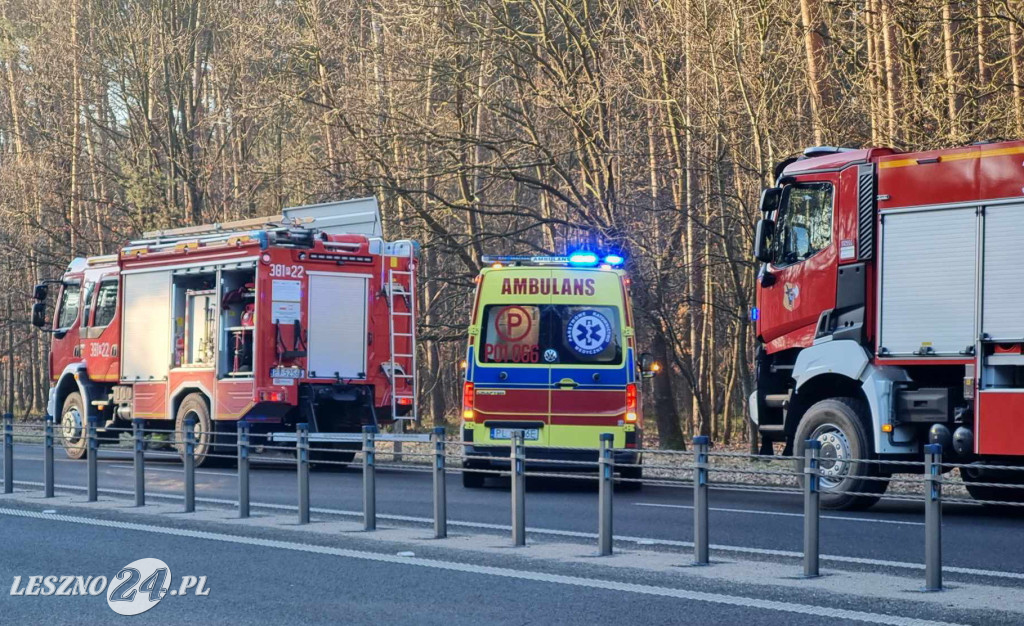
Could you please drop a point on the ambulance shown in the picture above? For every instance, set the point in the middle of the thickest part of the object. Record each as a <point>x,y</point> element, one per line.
<point>552,353</point>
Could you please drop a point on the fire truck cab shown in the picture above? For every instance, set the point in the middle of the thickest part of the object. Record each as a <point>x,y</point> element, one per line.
<point>889,311</point>
<point>552,353</point>
<point>304,317</point>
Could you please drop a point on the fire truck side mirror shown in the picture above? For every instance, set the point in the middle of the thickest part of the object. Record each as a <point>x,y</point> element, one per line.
<point>762,237</point>
<point>39,314</point>
<point>770,198</point>
<point>40,292</point>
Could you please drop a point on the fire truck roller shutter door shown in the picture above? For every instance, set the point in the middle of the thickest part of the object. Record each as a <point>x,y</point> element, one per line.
<point>337,325</point>
<point>147,326</point>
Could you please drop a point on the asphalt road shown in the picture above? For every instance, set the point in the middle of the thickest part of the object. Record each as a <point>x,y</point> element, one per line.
<point>974,537</point>
<point>251,581</point>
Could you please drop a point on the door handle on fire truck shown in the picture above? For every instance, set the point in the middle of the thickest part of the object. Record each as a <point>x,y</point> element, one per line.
<point>567,383</point>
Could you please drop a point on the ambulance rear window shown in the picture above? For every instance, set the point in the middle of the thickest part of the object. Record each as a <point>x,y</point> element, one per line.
<point>551,334</point>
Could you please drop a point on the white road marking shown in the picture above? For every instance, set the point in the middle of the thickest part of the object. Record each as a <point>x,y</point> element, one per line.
<point>782,514</point>
<point>645,541</point>
<point>503,572</point>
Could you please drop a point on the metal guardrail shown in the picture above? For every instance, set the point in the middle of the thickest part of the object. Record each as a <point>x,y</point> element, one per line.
<point>697,462</point>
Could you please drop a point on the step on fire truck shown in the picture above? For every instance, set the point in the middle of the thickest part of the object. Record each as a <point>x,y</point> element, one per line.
<point>890,312</point>
<point>306,317</point>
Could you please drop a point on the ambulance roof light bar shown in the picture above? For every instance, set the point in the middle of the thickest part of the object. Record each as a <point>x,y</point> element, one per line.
<point>576,259</point>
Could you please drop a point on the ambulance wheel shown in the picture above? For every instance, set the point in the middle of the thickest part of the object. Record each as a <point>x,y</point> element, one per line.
<point>194,407</point>
<point>994,493</point>
<point>631,474</point>
<point>72,426</point>
<point>839,424</point>
<point>472,480</point>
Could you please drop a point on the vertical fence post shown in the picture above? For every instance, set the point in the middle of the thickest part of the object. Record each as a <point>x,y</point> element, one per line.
<point>700,500</point>
<point>440,489</point>
<point>369,478</point>
<point>933,518</point>
<point>812,499</point>
<point>302,452</point>
<point>243,470</point>
<point>138,438</point>
<point>8,453</point>
<point>518,467</point>
<point>190,465</point>
<point>91,451</point>
<point>48,456</point>
<point>605,488</point>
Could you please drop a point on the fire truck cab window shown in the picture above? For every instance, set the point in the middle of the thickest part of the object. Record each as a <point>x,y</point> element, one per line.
<point>106,304</point>
<point>804,225</point>
<point>70,299</point>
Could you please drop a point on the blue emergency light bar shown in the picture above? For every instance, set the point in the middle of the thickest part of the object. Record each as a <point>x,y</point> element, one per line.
<point>577,259</point>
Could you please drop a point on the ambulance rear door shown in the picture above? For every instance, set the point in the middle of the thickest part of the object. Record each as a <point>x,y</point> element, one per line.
<point>511,382</point>
<point>587,351</point>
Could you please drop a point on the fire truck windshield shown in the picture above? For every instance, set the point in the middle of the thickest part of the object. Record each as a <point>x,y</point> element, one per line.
<point>551,334</point>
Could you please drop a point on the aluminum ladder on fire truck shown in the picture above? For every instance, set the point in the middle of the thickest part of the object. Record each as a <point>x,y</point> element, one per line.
<point>403,364</point>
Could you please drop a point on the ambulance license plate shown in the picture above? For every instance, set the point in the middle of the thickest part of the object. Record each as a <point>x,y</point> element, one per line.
<point>529,434</point>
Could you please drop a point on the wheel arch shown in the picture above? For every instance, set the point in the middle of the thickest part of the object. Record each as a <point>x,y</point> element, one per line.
<point>823,387</point>
<point>184,391</point>
<point>68,383</point>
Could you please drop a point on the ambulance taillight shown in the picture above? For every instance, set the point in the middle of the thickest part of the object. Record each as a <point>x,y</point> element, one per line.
<point>467,402</point>
<point>631,402</point>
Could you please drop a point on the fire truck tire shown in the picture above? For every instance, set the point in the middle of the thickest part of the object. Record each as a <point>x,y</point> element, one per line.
<point>839,424</point>
<point>194,406</point>
<point>994,493</point>
<point>472,480</point>
<point>72,426</point>
<point>331,456</point>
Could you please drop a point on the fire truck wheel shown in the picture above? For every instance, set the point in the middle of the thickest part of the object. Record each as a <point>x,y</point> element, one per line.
<point>194,406</point>
<point>72,426</point>
<point>331,456</point>
<point>839,424</point>
<point>994,493</point>
<point>472,480</point>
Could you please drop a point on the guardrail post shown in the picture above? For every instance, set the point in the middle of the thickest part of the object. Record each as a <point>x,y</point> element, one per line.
<point>700,500</point>
<point>606,466</point>
<point>518,466</point>
<point>812,499</point>
<point>138,439</point>
<point>243,470</point>
<point>369,478</point>
<point>302,452</point>
<point>91,451</point>
<point>8,453</point>
<point>48,456</point>
<point>190,465</point>
<point>933,518</point>
<point>440,489</point>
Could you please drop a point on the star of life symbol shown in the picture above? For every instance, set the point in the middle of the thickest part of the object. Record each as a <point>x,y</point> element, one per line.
<point>589,332</point>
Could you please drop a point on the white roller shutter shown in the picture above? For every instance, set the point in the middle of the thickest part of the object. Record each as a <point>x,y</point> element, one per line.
<point>1003,295</point>
<point>337,326</point>
<point>146,326</point>
<point>928,281</point>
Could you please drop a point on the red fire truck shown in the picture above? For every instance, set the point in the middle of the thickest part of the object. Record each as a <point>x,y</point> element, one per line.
<point>304,317</point>
<point>889,312</point>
